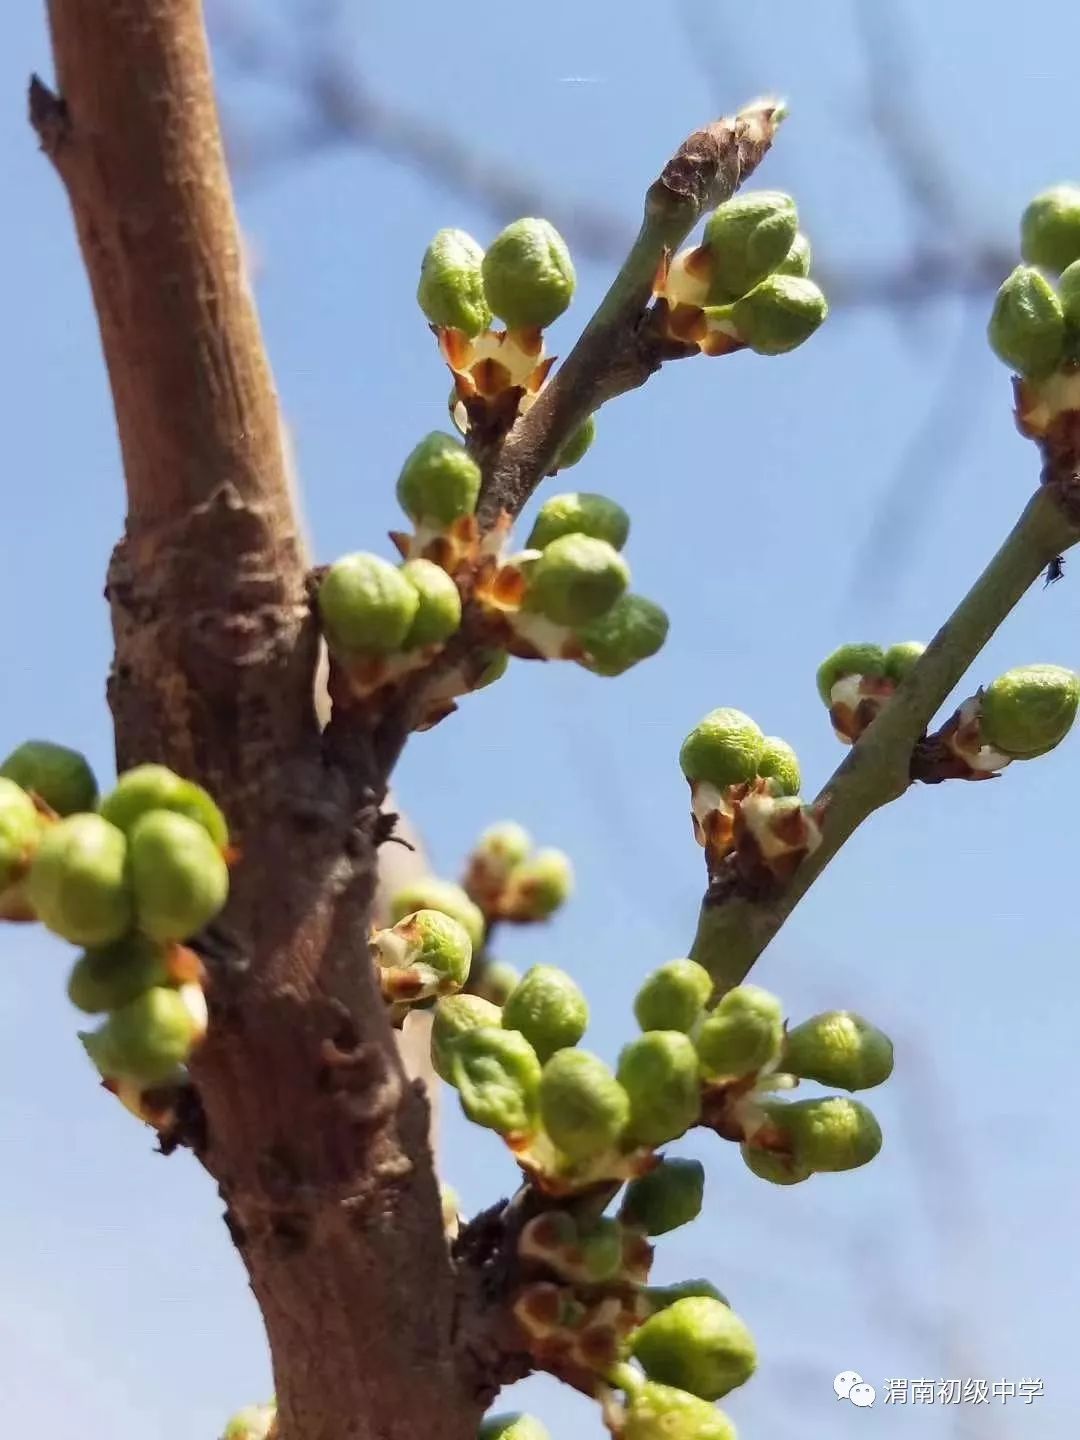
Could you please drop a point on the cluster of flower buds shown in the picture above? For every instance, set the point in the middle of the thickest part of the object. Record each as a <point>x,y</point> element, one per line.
<point>857,681</point>
<point>747,285</point>
<point>565,596</point>
<point>254,1422</point>
<point>130,878</point>
<point>1025,713</point>
<point>525,279</point>
<point>745,800</point>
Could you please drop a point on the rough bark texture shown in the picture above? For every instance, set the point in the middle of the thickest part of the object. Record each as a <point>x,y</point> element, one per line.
<point>314,1134</point>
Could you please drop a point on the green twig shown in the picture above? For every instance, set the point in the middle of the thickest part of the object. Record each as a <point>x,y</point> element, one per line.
<point>734,930</point>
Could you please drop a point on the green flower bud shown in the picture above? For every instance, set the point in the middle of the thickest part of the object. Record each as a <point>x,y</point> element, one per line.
<point>21,830</point>
<point>665,1198</point>
<point>430,893</point>
<point>62,778</point>
<point>539,887</point>
<point>576,579</point>
<point>797,260</point>
<point>780,764</point>
<point>723,749</point>
<point>776,1168</point>
<point>495,669</point>
<point>549,1010</point>
<point>500,849</point>
<point>453,1017</point>
<point>579,513</point>
<point>1027,324</point>
<point>179,878</point>
<point>583,1107</point>
<point>497,1075</point>
<point>838,1048</point>
<point>848,660</point>
<point>1029,710</point>
<point>601,1246</point>
<point>901,659</point>
<point>496,982</point>
<point>148,1039</point>
<point>699,1345</point>
<point>451,289</point>
<point>576,448</point>
<point>828,1134</point>
<point>77,885</point>
<point>106,979</point>
<point>778,315</point>
<point>425,954</point>
<point>528,274</point>
<point>742,1035</point>
<point>659,1297</point>
<point>1050,228</point>
<point>633,630</point>
<point>366,605</point>
<point>673,997</point>
<point>439,482</point>
<point>1069,295</point>
<point>659,1072</point>
<point>155,787</point>
<point>749,237</point>
<point>660,1412</point>
<point>254,1422</point>
<point>438,613</point>
<point>512,1427</point>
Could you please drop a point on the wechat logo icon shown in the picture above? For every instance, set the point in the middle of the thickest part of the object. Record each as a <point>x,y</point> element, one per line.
<point>849,1385</point>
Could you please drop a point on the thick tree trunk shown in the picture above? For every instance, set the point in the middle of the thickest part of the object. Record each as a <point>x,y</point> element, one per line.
<point>315,1135</point>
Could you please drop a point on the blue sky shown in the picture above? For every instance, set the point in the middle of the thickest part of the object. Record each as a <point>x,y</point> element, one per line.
<point>752,485</point>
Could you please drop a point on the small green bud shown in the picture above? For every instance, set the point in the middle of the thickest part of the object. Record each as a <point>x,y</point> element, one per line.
<point>497,1075</point>
<point>425,954</point>
<point>579,513</point>
<point>148,1039</point>
<point>499,850</point>
<point>439,482</point>
<point>660,1297</point>
<point>454,1016</point>
<point>106,979</point>
<point>797,260</point>
<point>749,237</point>
<point>529,277</point>
<point>1069,295</point>
<point>549,1010</point>
<point>438,613</point>
<point>601,1245</point>
<point>901,659</point>
<point>633,630</point>
<point>660,1412</point>
<point>496,982</point>
<point>430,893</point>
<point>451,289</point>
<point>254,1422</point>
<point>583,1107</point>
<point>538,887</point>
<point>778,315</point>
<point>1050,228</point>
<point>59,776</point>
<point>832,1133</point>
<point>78,885</point>
<point>776,1168</point>
<point>495,668</point>
<point>780,764</point>
<point>1027,325</point>
<point>838,1048</point>
<point>659,1072</point>
<point>576,579</point>
<point>367,605</point>
<point>742,1035</point>
<point>156,787</point>
<point>1029,710</point>
<point>576,448</point>
<point>699,1345</point>
<point>665,1198</point>
<point>178,876</point>
<point>723,749</point>
<point>673,997</point>
<point>848,660</point>
<point>21,830</point>
<point>512,1427</point>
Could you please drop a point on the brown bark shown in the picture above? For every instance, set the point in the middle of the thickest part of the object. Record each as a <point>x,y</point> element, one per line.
<point>314,1134</point>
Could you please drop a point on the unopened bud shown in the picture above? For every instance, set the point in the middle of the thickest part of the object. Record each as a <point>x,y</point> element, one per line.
<point>774,1166</point>
<point>577,446</point>
<point>528,275</point>
<point>1029,710</point>
<point>179,878</point>
<point>780,764</point>
<point>366,605</point>
<point>20,832</point>
<point>748,237</point>
<point>838,1048</point>
<point>549,1010</point>
<point>439,482</point>
<point>254,1422</point>
<point>666,1197</point>
<point>424,954</point>
<point>538,887</point>
<point>579,513</point>
<point>106,979</point>
<point>147,1040</point>
<point>699,1345</point>
<point>1050,228</point>
<point>430,893</point>
<point>1027,325</point>
<point>659,1072</point>
<point>662,1412</point>
<point>901,659</point>
<point>496,982</point>
<point>742,1035</point>
<point>454,1016</point>
<point>576,579</point>
<point>723,749</point>
<point>156,787</point>
<point>673,997</point>
<point>777,316</point>
<point>497,1075</point>
<point>828,1134</point>
<point>62,778</point>
<point>583,1107</point>
<point>78,882</point>
<point>862,660</point>
<point>634,629</point>
<point>438,613</point>
<point>451,289</point>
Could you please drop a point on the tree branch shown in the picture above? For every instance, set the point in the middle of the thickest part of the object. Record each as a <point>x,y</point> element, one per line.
<point>733,928</point>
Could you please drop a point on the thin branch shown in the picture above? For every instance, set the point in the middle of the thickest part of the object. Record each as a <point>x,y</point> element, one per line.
<point>733,929</point>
